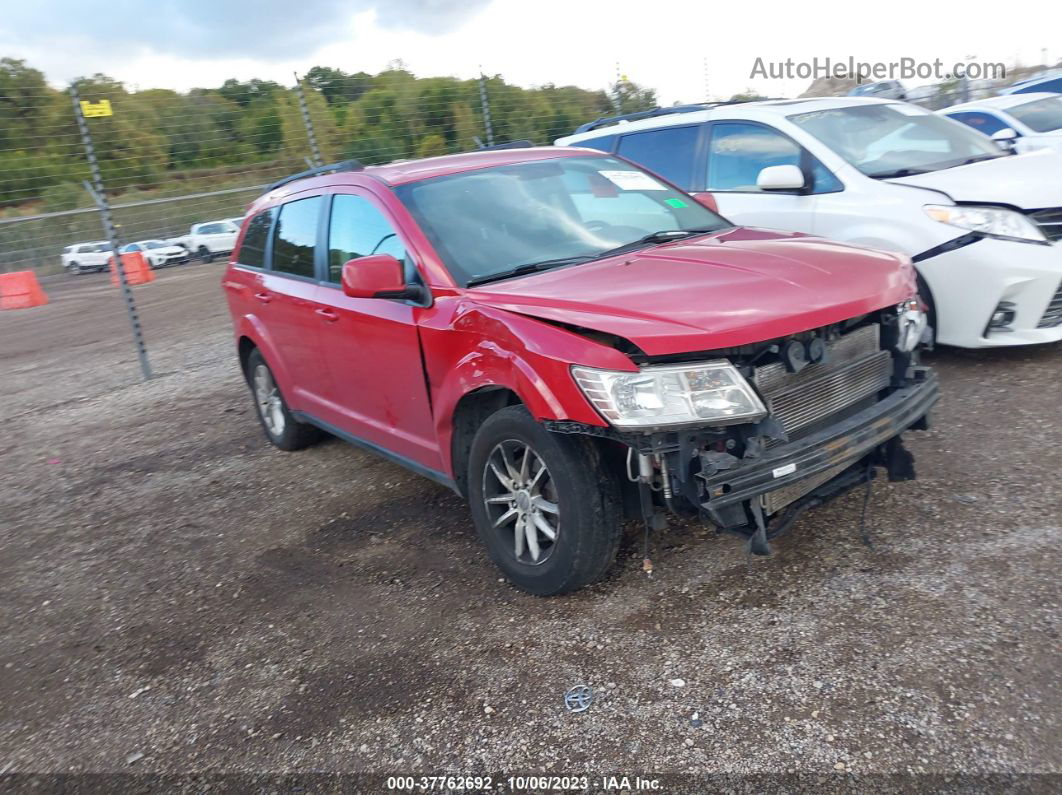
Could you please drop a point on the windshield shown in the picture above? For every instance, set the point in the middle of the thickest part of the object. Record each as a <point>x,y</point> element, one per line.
<point>891,140</point>
<point>154,244</point>
<point>546,212</point>
<point>1041,115</point>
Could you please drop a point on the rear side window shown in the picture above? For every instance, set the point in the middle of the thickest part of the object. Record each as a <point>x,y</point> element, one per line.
<point>252,251</point>
<point>603,144</point>
<point>982,122</point>
<point>357,229</point>
<point>668,151</point>
<point>295,237</point>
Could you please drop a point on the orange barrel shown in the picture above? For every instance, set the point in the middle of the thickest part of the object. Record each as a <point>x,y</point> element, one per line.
<point>136,270</point>
<point>21,290</point>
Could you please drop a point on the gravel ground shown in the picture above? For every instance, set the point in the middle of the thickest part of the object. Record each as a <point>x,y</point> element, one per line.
<point>177,596</point>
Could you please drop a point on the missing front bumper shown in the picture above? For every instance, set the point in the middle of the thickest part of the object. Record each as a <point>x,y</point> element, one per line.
<point>802,469</point>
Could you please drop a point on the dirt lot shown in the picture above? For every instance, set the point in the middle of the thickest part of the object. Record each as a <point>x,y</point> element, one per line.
<point>173,587</point>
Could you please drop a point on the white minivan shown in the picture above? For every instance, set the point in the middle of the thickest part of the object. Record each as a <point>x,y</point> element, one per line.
<point>983,227</point>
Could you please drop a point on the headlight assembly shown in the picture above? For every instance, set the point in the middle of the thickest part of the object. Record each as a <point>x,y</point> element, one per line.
<point>707,393</point>
<point>989,221</point>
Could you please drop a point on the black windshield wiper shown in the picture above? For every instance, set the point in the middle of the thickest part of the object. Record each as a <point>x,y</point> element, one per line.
<point>529,267</point>
<point>900,172</point>
<point>663,236</point>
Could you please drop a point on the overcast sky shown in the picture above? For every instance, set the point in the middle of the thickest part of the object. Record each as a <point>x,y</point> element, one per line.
<point>683,48</point>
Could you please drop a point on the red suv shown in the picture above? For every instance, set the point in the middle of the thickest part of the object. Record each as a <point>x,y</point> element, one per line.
<point>565,339</point>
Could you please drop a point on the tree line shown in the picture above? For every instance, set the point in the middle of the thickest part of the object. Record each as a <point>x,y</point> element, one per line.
<point>243,128</point>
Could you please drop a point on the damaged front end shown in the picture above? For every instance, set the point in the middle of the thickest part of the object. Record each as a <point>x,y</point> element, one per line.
<point>835,402</point>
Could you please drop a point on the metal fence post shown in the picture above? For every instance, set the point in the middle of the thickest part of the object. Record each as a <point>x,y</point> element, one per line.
<point>308,122</point>
<point>109,229</point>
<point>484,103</point>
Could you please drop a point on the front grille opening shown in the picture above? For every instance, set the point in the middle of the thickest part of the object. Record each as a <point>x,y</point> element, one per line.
<point>1053,316</point>
<point>1049,221</point>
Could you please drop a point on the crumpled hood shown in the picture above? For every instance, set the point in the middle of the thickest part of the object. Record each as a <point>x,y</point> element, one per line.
<point>730,288</point>
<point>1032,181</point>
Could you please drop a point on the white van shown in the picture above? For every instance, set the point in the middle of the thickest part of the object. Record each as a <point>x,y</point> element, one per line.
<point>983,227</point>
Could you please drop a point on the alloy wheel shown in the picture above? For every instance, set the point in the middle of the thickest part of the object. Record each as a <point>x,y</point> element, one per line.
<point>521,501</point>
<point>267,396</point>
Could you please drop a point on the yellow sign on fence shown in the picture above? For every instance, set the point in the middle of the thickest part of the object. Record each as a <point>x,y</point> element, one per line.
<point>95,109</point>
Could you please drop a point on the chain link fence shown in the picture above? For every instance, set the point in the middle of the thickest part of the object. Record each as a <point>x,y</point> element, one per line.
<point>170,160</point>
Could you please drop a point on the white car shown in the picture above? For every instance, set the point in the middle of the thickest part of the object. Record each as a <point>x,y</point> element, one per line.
<point>158,253</point>
<point>1049,80</point>
<point>211,238</point>
<point>882,174</point>
<point>86,257</point>
<point>1024,122</point>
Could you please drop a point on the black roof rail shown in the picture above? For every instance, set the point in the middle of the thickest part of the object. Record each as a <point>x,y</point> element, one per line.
<point>345,165</point>
<point>509,145</point>
<point>648,114</point>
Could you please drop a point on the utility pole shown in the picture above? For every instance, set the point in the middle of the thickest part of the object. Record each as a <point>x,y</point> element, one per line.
<point>484,103</point>
<point>306,120</point>
<point>96,190</point>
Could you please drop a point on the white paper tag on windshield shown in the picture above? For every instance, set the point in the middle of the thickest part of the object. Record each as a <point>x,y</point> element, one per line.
<point>632,180</point>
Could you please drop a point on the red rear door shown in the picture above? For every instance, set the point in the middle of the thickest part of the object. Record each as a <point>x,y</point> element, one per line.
<point>286,293</point>
<point>371,346</point>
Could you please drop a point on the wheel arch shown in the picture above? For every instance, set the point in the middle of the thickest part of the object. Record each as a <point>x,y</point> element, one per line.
<point>468,415</point>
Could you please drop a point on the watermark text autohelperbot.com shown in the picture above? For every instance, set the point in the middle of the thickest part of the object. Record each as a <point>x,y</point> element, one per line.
<point>862,71</point>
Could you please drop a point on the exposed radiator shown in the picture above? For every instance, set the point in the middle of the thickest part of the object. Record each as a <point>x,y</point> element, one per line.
<point>855,370</point>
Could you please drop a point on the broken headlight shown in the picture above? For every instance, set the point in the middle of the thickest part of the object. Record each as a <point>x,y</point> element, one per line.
<point>711,393</point>
<point>910,324</point>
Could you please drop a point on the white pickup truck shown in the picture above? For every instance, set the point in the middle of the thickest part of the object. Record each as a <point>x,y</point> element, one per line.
<point>210,238</point>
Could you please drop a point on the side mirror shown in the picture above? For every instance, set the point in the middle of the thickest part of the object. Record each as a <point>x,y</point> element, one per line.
<point>378,276</point>
<point>1005,138</point>
<point>781,178</point>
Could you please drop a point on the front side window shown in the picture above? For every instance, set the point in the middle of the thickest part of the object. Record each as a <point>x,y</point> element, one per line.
<point>1050,86</point>
<point>893,140</point>
<point>1041,115</point>
<point>357,229</point>
<point>547,213</point>
<point>668,152</point>
<point>984,123</point>
<point>295,237</point>
<point>738,152</point>
<point>252,252</point>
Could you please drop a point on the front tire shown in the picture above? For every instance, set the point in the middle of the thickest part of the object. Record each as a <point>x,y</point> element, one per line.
<point>544,504</point>
<point>205,255</point>
<point>281,428</point>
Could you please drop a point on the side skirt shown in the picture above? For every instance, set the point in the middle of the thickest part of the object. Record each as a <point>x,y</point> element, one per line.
<point>432,474</point>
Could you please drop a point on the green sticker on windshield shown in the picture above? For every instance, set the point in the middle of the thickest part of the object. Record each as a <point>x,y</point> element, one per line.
<point>677,203</point>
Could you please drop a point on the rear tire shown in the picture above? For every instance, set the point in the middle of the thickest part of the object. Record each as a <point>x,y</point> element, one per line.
<point>205,255</point>
<point>281,428</point>
<point>525,485</point>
